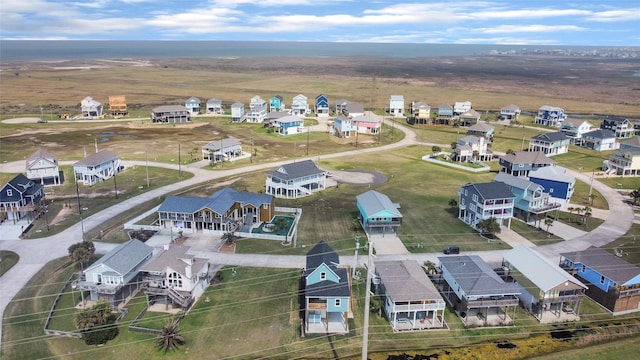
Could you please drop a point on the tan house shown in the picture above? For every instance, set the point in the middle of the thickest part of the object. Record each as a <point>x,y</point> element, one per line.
<point>118,106</point>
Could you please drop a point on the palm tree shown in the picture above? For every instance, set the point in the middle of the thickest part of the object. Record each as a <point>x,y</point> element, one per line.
<point>81,252</point>
<point>587,214</point>
<point>475,155</point>
<point>571,209</point>
<point>453,145</point>
<point>169,338</point>
<point>436,149</point>
<point>592,197</point>
<point>548,221</point>
<point>430,266</point>
<point>489,226</point>
<point>578,212</point>
<point>510,151</point>
<point>635,195</point>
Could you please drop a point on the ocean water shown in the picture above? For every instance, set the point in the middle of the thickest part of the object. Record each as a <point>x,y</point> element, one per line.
<point>13,50</point>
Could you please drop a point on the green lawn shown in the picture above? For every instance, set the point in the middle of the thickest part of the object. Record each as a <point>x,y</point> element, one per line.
<point>537,236</point>
<point>7,260</point>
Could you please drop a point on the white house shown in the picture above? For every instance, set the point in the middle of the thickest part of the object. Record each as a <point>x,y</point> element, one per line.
<point>237,112</point>
<point>42,166</point>
<point>299,105</point>
<point>471,148</point>
<point>179,277</point>
<point>257,110</point>
<point>396,105</point>
<point>228,149</point>
<point>214,106</point>
<point>298,179</point>
<point>90,108</point>
<point>461,107</point>
<point>510,112</point>
<point>97,167</point>
<point>574,129</point>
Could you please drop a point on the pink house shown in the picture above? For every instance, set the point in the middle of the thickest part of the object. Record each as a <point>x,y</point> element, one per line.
<point>368,124</point>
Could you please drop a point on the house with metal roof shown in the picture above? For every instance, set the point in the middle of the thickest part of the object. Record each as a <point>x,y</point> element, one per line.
<point>613,282</point>
<point>421,112</point>
<point>43,166</point>
<point>520,163</point>
<point>481,201</point>
<point>193,105</point>
<point>547,291</point>
<point>173,276</point>
<point>531,199</point>
<point>574,129</point>
<point>510,112</point>
<point>300,106</point>
<point>556,182</point>
<point>288,125</point>
<point>411,301</point>
<point>276,103</point>
<point>461,107</point>
<point>97,167</point>
<point>295,180</point>
<point>444,115</point>
<point>322,106</point>
<point>91,109</point>
<point>377,212</point>
<point>257,110</point>
<point>327,292</point>
<point>214,106</point>
<point>237,112</point>
<point>599,140</point>
<point>552,143</point>
<point>396,105</point>
<point>228,149</point>
<point>482,129</point>
<point>116,275</point>
<point>369,123</point>
<point>550,116</point>
<point>21,198</point>
<point>352,109</point>
<point>226,210</point>
<point>631,144</point>
<point>477,293</point>
<point>170,114</point>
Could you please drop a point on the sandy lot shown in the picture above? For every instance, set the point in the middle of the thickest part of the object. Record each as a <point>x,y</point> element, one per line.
<point>356,177</point>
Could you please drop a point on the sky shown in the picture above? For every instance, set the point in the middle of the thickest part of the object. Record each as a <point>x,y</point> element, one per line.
<point>534,22</point>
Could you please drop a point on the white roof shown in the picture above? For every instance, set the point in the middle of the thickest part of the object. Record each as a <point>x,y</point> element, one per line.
<point>540,271</point>
<point>555,173</point>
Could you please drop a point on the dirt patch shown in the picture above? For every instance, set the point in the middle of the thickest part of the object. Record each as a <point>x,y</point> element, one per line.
<point>62,215</point>
<point>227,248</point>
<point>358,177</point>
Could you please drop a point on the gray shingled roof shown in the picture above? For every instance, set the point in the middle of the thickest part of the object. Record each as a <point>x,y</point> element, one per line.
<point>600,134</point>
<point>98,158</point>
<point>320,254</point>
<point>511,107</point>
<point>406,281</point>
<point>481,126</point>
<point>23,188</point>
<point>528,157</point>
<point>476,277</point>
<point>492,190</point>
<point>220,202</point>
<point>352,107</point>
<point>551,136</point>
<point>373,202</point>
<point>125,257</point>
<point>605,263</point>
<point>41,154</point>
<point>540,271</point>
<point>633,142</point>
<point>296,170</point>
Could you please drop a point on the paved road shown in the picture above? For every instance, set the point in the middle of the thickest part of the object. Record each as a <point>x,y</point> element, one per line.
<point>34,254</point>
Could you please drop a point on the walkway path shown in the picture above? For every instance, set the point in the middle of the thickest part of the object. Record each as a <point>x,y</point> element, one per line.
<point>34,254</point>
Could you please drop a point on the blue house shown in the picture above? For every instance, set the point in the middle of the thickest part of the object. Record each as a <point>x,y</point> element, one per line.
<point>556,183</point>
<point>377,212</point>
<point>344,127</point>
<point>322,106</point>
<point>445,114</point>
<point>193,105</point>
<point>531,200</point>
<point>326,291</point>
<point>550,116</point>
<point>613,282</point>
<point>276,103</point>
<point>288,125</point>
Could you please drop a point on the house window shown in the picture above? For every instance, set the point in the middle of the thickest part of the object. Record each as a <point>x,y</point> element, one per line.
<point>551,191</point>
<point>475,197</point>
<point>465,192</point>
<point>584,268</point>
<point>323,276</point>
<point>602,279</point>
<point>9,192</point>
<point>175,280</point>
<point>337,303</point>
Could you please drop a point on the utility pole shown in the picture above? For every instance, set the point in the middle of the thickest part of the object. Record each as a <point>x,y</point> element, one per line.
<point>367,299</point>
<point>251,155</point>
<point>115,184</point>
<point>308,132</point>
<point>146,157</point>
<point>522,145</point>
<point>593,174</point>
<point>355,258</point>
<point>179,163</point>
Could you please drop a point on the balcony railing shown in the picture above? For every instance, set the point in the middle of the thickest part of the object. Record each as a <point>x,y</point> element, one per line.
<point>420,307</point>
<point>545,208</point>
<point>564,298</point>
<point>508,301</point>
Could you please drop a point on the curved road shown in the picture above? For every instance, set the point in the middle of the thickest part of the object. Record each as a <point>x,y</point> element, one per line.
<point>34,254</point>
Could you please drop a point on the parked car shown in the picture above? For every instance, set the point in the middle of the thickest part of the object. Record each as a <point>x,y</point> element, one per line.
<point>452,250</point>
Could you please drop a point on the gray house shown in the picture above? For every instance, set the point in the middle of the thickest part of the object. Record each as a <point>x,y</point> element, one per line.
<point>214,106</point>
<point>227,149</point>
<point>411,301</point>
<point>481,201</point>
<point>115,276</point>
<point>298,179</point>
<point>546,290</point>
<point>477,293</point>
<point>521,162</point>
<point>171,114</point>
<point>552,143</point>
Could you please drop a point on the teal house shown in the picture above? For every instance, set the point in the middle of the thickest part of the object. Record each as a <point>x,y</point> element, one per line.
<point>377,213</point>
<point>327,292</point>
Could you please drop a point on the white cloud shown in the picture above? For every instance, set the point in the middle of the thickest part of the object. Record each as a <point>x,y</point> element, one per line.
<point>501,29</point>
<point>616,15</point>
<point>506,41</point>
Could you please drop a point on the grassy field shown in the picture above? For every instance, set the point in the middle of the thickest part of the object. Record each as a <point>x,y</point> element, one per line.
<point>7,260</point>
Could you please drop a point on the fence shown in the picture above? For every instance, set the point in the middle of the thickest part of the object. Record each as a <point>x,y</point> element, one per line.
<point>131,225</point>
<point>456,166</point>
<point>52,310</point>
